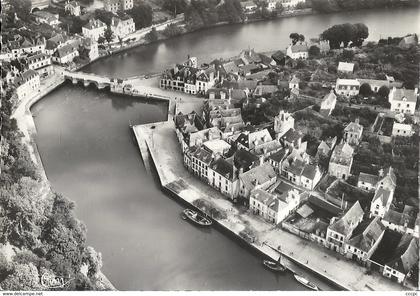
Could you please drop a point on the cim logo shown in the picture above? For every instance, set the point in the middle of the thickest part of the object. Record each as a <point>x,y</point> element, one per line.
<point>51,281</point>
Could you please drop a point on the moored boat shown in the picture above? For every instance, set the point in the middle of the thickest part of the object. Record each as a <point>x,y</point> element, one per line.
<point>274,266</point>
<point>197,218</point>
<point>306,282</point>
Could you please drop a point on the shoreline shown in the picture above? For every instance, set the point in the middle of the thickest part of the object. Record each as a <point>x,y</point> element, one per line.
<point>25,121</point>
<point>175,180</point>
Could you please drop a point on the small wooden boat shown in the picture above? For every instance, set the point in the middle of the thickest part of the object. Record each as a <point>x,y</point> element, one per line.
<point>274,266</point>
<point>197,218</point>
<point>306,282</point>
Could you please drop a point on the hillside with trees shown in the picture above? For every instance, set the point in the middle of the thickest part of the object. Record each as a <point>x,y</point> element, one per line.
<point>328,6</point>
<point>37,225</point>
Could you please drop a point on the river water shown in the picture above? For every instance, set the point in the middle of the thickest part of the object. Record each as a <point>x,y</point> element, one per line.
<point>90,156</point>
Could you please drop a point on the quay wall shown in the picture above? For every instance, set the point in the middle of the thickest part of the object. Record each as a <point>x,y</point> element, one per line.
<point>262,249</point>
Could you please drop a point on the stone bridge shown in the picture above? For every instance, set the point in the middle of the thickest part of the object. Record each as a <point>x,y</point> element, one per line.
<point>88,78</point>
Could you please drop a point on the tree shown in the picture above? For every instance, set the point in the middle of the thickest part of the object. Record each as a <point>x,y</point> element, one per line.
<point>175,6</point>
<point>142,15</point>
<point>365,90</point>
<point>383,92</point>
<point>24,277</point>
<point>294,37</point>
<point>345,33</point>
<point>101,40</point>
<point>22,8</point>
<point>172,30</point>
<point>104,16</point>
<point>152,36</point>
<point>314,51</point>
<point>108,34</point>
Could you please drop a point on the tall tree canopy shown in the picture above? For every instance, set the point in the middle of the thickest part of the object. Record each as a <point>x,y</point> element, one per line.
<point>345,33</point>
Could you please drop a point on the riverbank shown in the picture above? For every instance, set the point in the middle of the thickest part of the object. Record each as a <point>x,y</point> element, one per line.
<point>24,119</point>
<point>158,141</point>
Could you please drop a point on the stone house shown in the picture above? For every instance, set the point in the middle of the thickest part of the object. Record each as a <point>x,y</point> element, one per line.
<point>403,100</point>
<point>341,229</point>
<point>341,161</point>
<point>353,132</point>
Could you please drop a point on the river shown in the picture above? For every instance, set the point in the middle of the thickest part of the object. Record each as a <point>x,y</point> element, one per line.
<point>227,41</point>
<point>89,155</point>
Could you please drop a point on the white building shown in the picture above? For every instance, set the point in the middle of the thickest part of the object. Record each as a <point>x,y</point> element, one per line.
<point>290,3</point>
<point>402,129</point>
<point>94,29</point>
<point>367,181</point>
<point>362,245</point>
<point>328,104</point>
<point>260,177</point>
<point>38,61</point>
<point>116,5</point>
<point>341,229</point>
<point>347,87</point>
<point>73,8</point>
<point>283,122</point>
<point>405,257</point>
<point>222,176</point>
<point>121,27</point>
<point>294,82</point>
<point>297,51</point>
<point>65,54</point>
<point>273,207</point>
<point>27,84</point>
<point>345,67</point>
<point>45,17</point>
<point>403,100</point>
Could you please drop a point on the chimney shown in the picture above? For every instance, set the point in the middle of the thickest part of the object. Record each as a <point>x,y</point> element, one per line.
<point>241,170</point>
<point>357,120</point>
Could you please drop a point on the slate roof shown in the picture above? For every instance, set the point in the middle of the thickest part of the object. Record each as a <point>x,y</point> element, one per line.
<point>299,48</point>
<point>201,154</point>
<point>345,224</point>
<point>94,24</point>
<point>369,236</point>
<point>407,217</point>
<point>342,154</point>
<point>383,195</point>
<point>309,171</point>
<point>244,159</point>
<point>224,168</point>
<point>249,139</point>
<point>260,174</point>
<point>353,127</point>
<point>406,254</point>
<point>65,50</point>
<point>263,196</point>
<point>291,136</point>
<point>261,89</point>
<point>279,155</point>
<point>368,178</point>
<point>399,94</point>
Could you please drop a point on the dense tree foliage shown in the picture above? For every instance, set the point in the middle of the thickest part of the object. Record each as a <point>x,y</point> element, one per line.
<point>172,30</point>
<point>152,36</point>
<point>36,221</point>
<point>142,14</point>
<point>22,8</point>
<point>338,5</point>
<point>296,37</point>
<point>200,14</point>
<point>175,6</point>
<point>346,34</point>
<point>109,34</point>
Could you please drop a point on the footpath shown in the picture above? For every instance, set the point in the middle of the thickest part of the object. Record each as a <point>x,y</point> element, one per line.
<point>158,141</point>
